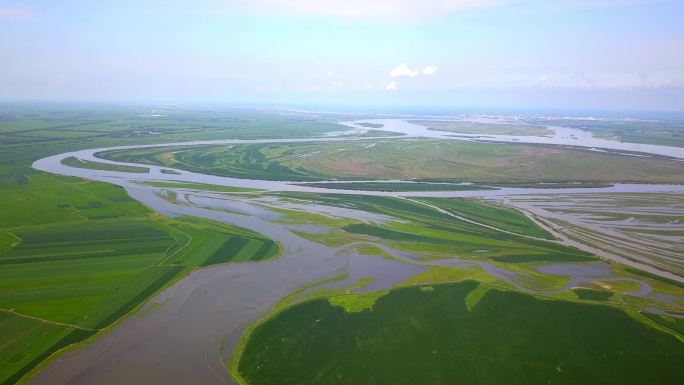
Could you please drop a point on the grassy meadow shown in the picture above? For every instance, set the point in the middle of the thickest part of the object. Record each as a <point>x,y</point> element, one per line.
<point>80,163</point>
<point>465,127</point>
<point>405,159</point>
<point>417,227</point>
<point>397,186</point>
<point>457,333</point>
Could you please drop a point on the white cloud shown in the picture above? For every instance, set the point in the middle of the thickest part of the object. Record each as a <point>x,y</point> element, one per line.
<point>398,10</point>
<point>430,70</point>
<point>402,70</point>
<point>392,86</point>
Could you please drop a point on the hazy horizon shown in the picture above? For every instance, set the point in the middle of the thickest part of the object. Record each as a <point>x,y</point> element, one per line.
<point>471,54</point>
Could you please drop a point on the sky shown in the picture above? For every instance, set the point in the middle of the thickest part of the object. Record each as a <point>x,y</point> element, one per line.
<point>538,54</point>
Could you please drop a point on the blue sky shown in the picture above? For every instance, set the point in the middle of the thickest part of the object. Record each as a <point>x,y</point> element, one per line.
<point>563,54</point>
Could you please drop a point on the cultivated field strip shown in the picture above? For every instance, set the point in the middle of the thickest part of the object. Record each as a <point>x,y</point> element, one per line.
<point>62,282</point>
<point>640,227</point>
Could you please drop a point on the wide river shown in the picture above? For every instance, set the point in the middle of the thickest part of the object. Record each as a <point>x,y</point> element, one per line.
<point>186,333</point>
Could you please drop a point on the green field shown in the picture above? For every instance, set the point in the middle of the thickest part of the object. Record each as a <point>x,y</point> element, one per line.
<point>676,324</point>
<point>422,160</point>
<point>397,186</point>
<point>464,127</point>
<point>245,161</point>
<point>458,333</point>
<point>593,294</point>
<point>371,125</point>
<point>79,163</point>
<point>655,277</point>
<point>493,215</point>
<point>30,132</point>
<point>76,256</point>
<point>202,186</point>
<point>416,227</point>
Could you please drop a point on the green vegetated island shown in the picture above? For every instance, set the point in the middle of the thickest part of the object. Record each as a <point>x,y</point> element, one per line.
<point>399,186</point>
<point>77,256</point>
<point>419,226</point>
<point>468,127</point>
<point>404,159</point>
<point>465,332</point>
<point>80,163</point>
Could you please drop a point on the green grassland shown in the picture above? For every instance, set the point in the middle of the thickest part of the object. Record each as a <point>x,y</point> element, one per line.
<point>655,277</point>
<point>371,125</point>
<point>396,186</point>
<point>417,227</point>
<point>425,160</point>
<point>675,324</point>
<point>464,127</point>
<point>545,185</point>
<point>490,214</point>
<point>514,242</point>
<point>456,333</point>
<point>41,124</point>
<point>76,256</point>
<point>592,294</point>
<point>80,163</point>
<point>30,132</point>
<point>202,186</point>
<point>245,161</point>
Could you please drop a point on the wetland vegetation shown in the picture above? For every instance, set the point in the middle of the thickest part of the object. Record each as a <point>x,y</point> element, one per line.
<point>433,227</point>
<point>364,192</point>
<point>77,257</point>
<point>469,127</point>
<point>80,163</point>
<point>397,186</point>
<point>447,333</point>
<point>433,160</point>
